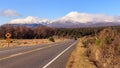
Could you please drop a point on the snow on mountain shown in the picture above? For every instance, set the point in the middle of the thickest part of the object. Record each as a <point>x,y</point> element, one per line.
<point>71,19</point>
<point>86,18</point>
<point>29,20</point>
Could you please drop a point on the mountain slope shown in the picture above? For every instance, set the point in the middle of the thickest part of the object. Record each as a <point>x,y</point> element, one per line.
<point>72,19</point>
<point>76,19</point>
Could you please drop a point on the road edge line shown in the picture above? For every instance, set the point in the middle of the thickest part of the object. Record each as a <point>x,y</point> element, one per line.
<point>45,66</point>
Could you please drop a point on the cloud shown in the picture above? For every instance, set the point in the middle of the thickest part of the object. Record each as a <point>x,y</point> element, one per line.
<point>29,20</point>
<point>9,13</point>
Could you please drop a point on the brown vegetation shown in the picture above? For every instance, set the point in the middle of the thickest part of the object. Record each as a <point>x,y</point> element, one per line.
<point>22,32</point>
<point>104,48</point>
<point>78,58</point>
<point>27,42</point>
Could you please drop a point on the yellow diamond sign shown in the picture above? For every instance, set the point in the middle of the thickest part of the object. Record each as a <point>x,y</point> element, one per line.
<point>8,35</point>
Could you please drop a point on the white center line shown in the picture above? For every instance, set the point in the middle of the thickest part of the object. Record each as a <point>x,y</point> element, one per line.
<point>59,55</point>
<point>18,54</point>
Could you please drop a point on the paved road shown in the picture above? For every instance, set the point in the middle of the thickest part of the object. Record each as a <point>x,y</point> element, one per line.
<point>53,55</point>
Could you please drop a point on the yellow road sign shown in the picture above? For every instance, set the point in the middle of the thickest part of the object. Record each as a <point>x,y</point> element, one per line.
<point>8,40</point>
<point>8,35</point>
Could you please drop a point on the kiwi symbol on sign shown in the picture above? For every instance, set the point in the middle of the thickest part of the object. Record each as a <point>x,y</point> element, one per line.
<point>8,35</point>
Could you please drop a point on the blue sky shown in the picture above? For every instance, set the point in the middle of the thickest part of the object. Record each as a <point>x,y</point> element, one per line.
<point>53,9</point>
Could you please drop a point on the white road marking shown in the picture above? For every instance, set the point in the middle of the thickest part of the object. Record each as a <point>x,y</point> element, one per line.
<point>18,54</point>
<point>58,55</point>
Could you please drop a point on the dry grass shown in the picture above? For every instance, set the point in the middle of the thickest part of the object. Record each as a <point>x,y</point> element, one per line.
<point>26,42</point>
<point>103,49</point>
<point>78,59</point>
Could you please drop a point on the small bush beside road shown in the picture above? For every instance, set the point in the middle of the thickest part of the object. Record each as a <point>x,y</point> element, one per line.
<point>52,39</point>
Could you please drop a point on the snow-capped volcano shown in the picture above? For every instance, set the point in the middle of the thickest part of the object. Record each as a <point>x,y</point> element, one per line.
<point>71,19</point>
<point>76,19</point>
<point>86,18</point>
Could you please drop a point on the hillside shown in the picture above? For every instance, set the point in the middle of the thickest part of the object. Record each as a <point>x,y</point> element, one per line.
<point>71,20</point>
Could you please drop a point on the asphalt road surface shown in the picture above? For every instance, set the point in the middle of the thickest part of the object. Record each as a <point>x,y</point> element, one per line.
<point>53,55</point>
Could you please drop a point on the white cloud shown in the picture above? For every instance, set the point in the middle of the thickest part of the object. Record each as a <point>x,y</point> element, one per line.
<point>9,13</point>
<point>29,20</point>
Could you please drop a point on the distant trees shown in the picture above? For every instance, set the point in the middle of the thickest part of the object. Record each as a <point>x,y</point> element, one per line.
<point>22,32</point>
<point>43,32</point>
<point>77,32</point>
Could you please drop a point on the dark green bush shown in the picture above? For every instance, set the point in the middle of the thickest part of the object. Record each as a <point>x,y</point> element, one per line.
<point>52,39</point>
<point>2,38</point>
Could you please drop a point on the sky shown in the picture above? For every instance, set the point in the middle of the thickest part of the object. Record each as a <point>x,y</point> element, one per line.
<point>52,9</point>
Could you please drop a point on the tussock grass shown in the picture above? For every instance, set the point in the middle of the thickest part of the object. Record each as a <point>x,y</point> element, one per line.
<point>78,58</point>
<point>26,42</point>
<point>103,49</point>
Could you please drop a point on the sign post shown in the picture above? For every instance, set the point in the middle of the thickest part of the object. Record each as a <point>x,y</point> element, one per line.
<point>8,35</point>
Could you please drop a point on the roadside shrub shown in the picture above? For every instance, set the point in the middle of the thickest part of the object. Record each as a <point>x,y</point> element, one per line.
<point>87,40</point>
<point>107,36</point>
<point>25,42</point>
<point>107,55</point>
<point>97,41</point>
<point>11,41</point>
<point>2,38</point>
<point>52,39</point>
<point>85,43</point>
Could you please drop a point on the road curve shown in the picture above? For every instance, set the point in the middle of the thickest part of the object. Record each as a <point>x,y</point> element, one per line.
<point>42,56</point>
